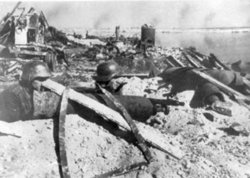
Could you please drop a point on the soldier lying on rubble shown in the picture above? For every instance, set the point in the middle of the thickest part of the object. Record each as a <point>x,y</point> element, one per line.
<point>206,93</point>
<point>106,72</point>
<point>27,100</point>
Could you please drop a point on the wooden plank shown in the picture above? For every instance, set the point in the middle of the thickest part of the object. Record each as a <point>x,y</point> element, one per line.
<point>196,55</point>
<point>12,59</point>
<point>190,60</point>
<point>64,168</point>
<point>44,18</point>
<point>32,45</point>
<point>33,53</point>
<point>177,62</point>
<point>151,135</point>
<point>219,62</point>
<point>169,63</point>
<point>141,142</point>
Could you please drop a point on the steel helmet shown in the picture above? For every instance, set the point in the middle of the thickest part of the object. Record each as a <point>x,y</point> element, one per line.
<point>33,70</point>
<point>106,71</point>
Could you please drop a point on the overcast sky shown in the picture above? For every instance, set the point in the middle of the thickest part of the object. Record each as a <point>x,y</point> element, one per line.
<point>161,14</point>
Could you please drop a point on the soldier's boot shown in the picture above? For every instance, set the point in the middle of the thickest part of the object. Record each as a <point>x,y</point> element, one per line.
<point>222,107</point>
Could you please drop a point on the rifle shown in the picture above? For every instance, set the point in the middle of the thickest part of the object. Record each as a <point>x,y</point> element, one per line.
<point>166,101</point>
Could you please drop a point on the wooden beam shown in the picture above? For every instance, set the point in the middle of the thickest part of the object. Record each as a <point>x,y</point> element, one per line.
<point>151,135</point>
<point>33,53</point>
<point>219,62</point>
<point>190,60</point>
<point>196,55</point>
<point>177,62</point>
<point>134,129</point>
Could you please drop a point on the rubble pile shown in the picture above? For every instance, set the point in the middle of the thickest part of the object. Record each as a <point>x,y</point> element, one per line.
<point>209,150</point>
<point>208,144</point>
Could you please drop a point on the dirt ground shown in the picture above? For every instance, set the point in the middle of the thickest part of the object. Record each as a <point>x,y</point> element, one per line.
<point>214,145</point>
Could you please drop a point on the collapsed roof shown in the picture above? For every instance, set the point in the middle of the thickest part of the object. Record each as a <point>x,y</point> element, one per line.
<point>21,27</point>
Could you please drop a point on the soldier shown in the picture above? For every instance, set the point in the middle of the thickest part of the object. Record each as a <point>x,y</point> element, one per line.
<point>27,100</point>
<point>206,93</point>
<point>17,100</point>
<point>107,71</point>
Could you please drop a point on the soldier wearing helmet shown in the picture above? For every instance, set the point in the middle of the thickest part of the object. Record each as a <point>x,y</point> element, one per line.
<point>16,102</point>
<point>34,73</point>
<point>107,71</point>
<point>24,101</point>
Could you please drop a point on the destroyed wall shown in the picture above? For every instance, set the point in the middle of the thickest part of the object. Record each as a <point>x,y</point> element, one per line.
<point>30,29</point>
<point>210,145</point>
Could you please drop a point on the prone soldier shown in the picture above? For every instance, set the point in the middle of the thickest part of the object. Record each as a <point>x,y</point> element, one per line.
<point>106,72</point>
<point>21,101</point>
<point>206,93</point>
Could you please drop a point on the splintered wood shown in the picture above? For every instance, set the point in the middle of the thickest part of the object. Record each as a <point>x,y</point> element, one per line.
<point>152,136</point>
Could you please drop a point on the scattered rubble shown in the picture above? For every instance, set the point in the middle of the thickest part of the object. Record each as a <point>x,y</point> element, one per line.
<point>213,145</point>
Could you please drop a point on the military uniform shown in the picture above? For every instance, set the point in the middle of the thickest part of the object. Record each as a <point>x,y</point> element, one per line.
<point>18,103</point>
<point>182,78</point>
<point>105,74</point>
<point>27,99</point>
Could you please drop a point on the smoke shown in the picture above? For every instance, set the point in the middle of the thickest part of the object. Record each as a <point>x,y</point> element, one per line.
<point>155,21</point>
<point>56,13</point>
<point>102,19</point>
<point>161,14</point>
<point>185,15</point>
<point>185,11</point>
<point>209,19</point>
<point>209,42</point>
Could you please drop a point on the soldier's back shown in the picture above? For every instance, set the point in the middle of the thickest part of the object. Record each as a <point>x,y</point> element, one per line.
<point>16,103</point>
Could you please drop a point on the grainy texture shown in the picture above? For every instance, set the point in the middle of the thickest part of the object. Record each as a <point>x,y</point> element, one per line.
<point>211,145</point>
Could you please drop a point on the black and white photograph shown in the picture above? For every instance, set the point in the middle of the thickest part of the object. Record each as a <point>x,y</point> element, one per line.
<point>126,89</point>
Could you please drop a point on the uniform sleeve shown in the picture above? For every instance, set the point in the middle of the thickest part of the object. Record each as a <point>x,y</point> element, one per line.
<point>11,107</point>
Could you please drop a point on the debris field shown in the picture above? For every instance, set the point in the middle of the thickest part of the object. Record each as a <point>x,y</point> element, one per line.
<point>202,143</point>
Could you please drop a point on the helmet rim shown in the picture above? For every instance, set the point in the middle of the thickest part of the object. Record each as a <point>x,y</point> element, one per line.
<point>99,78</point>
<point>35,69</point>
<point>106,71</point>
